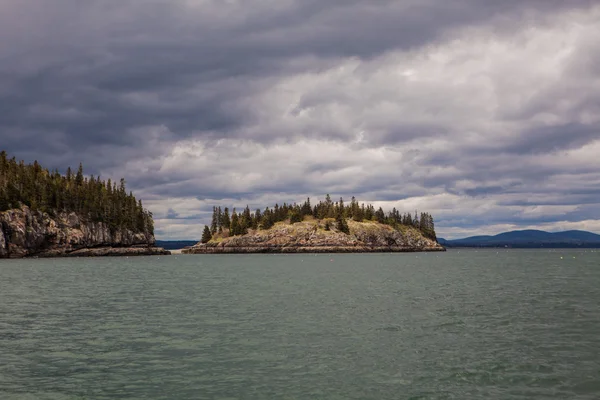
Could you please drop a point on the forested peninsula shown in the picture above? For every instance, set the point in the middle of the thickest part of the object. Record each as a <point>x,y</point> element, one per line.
<point>327,227</point>
<point>48,214</point>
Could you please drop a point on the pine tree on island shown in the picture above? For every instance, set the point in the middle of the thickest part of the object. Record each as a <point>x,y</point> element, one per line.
<point>206,235</point>
<point>51,192</point>
<point>335,216</point>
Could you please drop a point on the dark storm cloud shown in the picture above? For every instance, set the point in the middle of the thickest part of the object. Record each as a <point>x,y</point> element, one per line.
<point>123,85</point>
<point>101,51</point>
<point>554,138</point>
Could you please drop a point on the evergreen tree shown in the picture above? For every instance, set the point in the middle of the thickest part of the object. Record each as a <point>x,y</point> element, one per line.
<point>407,219</point>
<point>219,219</point>
<point>329,211</point>
<point>214,222</point>
<point>306,207</point>
<point>342,208</point>
<point>380,215</point>
<point>41,190</point>
<point>295,217</point>
<point>358,215</point>
<point>353,209</point>
<point>326,209</point>
<point>79,176</point>
<point>342,225</point>
<point>369,212</point>
<point>256,219</point>
<point>235,228</point>
<point>268,219</point>
<point>206,235</point>
<point>246,219</point>
<point>225,221</point>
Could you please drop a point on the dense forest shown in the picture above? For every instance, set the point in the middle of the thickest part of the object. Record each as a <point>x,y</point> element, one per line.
<point>52,192</point>
<point>338,213</point>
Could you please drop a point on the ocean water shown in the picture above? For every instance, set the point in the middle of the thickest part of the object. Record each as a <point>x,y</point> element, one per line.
<point>488,324</point>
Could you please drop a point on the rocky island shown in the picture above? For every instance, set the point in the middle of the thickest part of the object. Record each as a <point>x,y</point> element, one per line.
<point>47,214</point>
<point>326,228</point>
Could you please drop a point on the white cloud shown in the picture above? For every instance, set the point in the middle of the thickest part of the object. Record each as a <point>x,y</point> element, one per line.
<point>486,116</point>
<point>378,127</point>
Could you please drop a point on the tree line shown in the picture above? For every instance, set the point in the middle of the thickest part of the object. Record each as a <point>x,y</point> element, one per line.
<point>238,223</point>
<point>52,192</point>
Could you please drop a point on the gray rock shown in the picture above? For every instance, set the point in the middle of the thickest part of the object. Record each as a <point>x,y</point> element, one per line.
<point>26,233</point>
<point>3,243</point>
<point>119,251</point>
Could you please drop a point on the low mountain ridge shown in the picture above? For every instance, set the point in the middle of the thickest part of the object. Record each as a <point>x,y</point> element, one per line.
<point>529,239</point>
<point>321,236</point>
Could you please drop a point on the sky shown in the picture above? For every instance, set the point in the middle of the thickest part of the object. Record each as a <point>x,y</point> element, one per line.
<point>484,113</point>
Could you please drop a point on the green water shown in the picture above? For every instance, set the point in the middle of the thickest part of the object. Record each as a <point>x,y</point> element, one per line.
<point>519,324</point>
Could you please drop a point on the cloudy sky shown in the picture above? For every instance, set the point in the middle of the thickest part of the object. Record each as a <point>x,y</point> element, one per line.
<point>485,113</point>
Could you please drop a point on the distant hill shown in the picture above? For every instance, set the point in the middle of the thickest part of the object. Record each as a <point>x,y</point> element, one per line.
<point>175,244</point>
<point>529,239</point>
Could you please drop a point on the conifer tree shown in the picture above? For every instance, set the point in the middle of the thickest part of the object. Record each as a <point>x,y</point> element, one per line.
<point>342,225</point>
<point>246,219</point>
<point>79,176</point>
<point>295,217</point>
<point>206,235</point>
<point>240,223</point>
<point>369,212</point>
<point>267,219</point>
<point>214,222</point>
<point>306,207</point>
<point>380,215</point>
<point>234,228</point>
<point>225,221</point>
<point>219,220</point>
<point>256,219</point>
<point>93,199</point>
<point>329,211</point>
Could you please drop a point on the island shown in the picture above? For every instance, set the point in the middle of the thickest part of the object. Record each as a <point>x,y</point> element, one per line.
<point>328,227</point>
<point>47,214</point>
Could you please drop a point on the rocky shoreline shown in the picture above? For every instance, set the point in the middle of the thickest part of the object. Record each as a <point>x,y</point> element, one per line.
<point>305,249</point>
<point>27,233</point>
<point>109,252</point>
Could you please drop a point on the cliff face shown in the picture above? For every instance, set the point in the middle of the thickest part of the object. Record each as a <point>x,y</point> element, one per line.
<point>25,233</point>
<point>311,237</point>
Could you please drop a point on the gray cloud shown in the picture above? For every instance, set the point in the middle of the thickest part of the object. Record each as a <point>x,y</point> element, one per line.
<point>477,110</point>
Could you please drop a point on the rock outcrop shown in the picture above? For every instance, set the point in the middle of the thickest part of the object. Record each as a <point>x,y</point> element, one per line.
<point>27,233</point>
<point>312,237</point>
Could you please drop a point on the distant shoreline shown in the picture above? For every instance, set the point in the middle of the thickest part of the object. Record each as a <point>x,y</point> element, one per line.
<point>524,247</point>
<point>528,239</point>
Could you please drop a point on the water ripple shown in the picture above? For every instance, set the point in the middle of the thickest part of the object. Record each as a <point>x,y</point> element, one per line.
<point>516,324</point>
